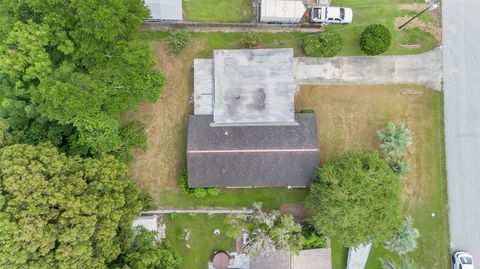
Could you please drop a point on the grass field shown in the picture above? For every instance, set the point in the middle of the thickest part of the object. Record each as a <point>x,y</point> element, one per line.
<point>202,243</point>
<point>349,116</point>
<point>218,10</point>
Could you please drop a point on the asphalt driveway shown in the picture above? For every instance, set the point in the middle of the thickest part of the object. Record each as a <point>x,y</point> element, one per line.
<point>421,69</point>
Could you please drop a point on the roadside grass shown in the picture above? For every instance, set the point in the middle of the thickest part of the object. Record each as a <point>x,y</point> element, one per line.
<point>202,243</point>
<point>366,12</point>
<point>348,116</point>
<point>218,10</point>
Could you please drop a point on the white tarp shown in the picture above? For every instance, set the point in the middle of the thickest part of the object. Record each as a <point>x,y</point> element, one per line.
<point>165,10</point>
<point>281,11</point>
<point>358,256</point>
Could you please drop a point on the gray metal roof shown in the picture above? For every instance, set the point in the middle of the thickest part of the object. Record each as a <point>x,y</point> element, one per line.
<point>253,87</point>
<point>169,10</point>
<point>261,156</point>
<point>203,86</point>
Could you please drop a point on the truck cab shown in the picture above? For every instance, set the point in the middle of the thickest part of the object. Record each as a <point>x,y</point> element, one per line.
<point>339,15</point>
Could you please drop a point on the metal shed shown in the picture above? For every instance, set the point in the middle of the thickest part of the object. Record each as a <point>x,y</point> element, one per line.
<point>281,11</point>
<point>165,10</point>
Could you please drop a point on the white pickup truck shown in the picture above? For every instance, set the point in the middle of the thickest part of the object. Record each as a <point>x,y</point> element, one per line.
<point>340,15</point>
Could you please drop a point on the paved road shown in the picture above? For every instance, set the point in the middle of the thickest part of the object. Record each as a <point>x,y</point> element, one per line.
<point>461,42</point>
<point>422,69</point>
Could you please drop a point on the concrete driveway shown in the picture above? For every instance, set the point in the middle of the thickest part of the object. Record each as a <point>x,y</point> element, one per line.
<point>422,69</point>
<point>461,42</point>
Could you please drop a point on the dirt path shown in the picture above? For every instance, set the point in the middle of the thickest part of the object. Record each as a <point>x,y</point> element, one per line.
<point>231,27</point>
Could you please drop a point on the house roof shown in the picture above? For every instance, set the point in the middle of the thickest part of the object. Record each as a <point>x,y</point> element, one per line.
<point>244,156</point>
<point>253,87</point>
<point>305,259</point>
<point>165,10</point>
<point>282,9</point>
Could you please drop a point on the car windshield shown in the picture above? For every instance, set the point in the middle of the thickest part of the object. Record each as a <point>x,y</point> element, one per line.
<point>342,13</point>
<point>466,260</point>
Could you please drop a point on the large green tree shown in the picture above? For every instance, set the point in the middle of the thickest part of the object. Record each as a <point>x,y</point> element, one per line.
<point>356,199</point>
<point>63,212</point>
<point>146,253</point>
<point>74,67</point>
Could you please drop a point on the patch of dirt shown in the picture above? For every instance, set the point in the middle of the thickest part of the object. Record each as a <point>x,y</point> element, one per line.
<point>417,7</point>
<point>427,27</point>
<point>297,210</point>
<point>159,166</point>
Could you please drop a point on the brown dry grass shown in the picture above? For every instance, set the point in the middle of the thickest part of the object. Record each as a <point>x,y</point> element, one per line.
<point>349,116</point>
<point>427,27</point>
<point>157,169</point>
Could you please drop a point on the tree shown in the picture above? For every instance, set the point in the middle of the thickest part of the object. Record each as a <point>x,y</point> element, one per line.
<point>146,253</point>
<point>375,39</point>
<point>63,212</point>
<point>405,240</point>
<point>323,44</point>
<point>77,65</point>
<point>394,142</point>
<point>356,199</point>
<point>268,232</point>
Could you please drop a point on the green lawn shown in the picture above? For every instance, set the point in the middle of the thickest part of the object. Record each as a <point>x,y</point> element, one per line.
<point>218,10</point>
<point>234,198</point>
<point>366,12</point>
<point>202,243</point>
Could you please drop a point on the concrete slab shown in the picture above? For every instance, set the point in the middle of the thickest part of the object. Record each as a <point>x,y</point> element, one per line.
<point>422,69</point>
<point>313,259</point>
<point>253,87</point>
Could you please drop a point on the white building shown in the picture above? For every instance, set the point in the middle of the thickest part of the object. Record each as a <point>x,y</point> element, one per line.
<point>151,223</point>
<point>165,10</point>
<point>281,11</point>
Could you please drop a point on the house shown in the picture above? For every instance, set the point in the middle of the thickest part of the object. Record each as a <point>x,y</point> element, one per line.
<point>150,223</point>
<point>281,11</point>
<point>244,132</point>
<point>165,10</point>
<point>305,259</point>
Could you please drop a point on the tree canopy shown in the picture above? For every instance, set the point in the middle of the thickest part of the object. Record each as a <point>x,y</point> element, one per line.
<point>146,253</point>
<point>356,199</point>
<point>268,232</point>
<point>63,212</point>
<point>70,68</point>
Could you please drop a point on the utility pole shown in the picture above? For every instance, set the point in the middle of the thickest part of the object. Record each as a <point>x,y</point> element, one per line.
<point>431,7</point>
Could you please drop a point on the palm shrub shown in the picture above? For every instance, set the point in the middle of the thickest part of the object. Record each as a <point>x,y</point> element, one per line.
<point>178,39</point>
<point>375,39</point>
<point>250,40</point>
<point>324,44</point>
<point>405,240</point>
<point>394,142</point>
<point>407,263</point>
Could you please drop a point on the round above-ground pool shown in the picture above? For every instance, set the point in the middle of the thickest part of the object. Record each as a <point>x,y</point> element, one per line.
<point>221,260</point>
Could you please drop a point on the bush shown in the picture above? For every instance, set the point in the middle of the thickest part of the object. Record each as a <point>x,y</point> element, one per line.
<point>132,135</point>
<point>146,200</point>
<point>350,190</point>
<point>394,142</point>
<point>250,40</point>
<point>405,240</point>
<point>178,39</point>
<point>325,44</point>
<point>197,192</point>
<point>313,239</point>
<point>308,110</point>
<point>375,39</point>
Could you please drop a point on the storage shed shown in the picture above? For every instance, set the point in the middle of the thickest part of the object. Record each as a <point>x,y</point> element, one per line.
<point>165,10</point>
<point>281,11</point>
